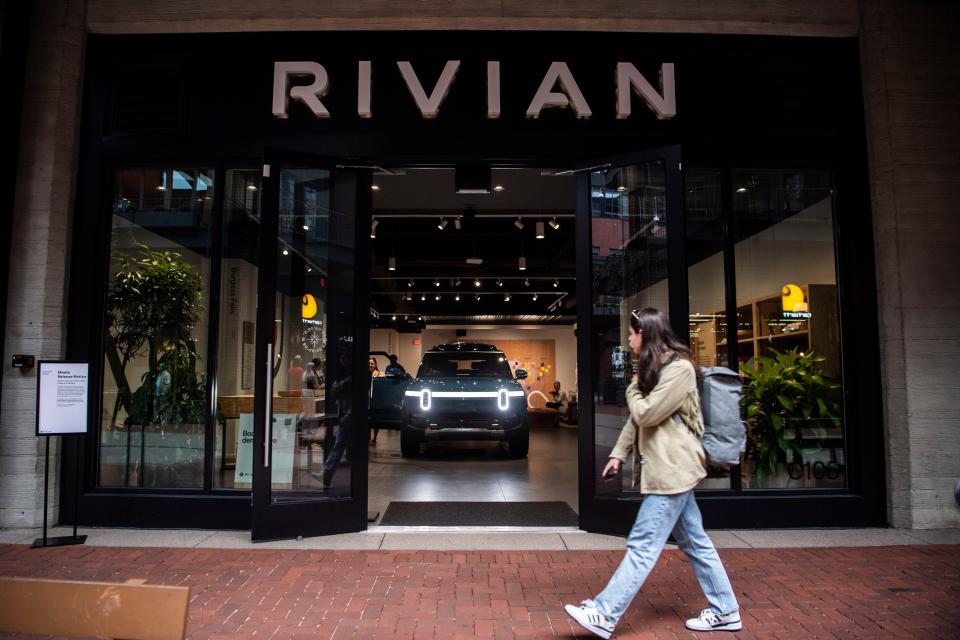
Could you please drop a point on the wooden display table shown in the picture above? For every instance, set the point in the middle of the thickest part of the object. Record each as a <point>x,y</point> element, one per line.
<point>233,406</point>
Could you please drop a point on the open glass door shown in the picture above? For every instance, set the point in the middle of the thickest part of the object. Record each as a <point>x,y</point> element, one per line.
<point>309,472</point>
<point>630,235</point>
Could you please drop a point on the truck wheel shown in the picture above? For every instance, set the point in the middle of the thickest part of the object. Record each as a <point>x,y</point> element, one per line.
<point>409,445</point>
<point>519,445</point>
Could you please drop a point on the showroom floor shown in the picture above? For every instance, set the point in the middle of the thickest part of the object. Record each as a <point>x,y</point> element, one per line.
<point>475,471</point>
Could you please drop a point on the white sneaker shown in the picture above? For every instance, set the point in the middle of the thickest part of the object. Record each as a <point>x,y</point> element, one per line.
<point>588,617</point>
<point>710,620</point>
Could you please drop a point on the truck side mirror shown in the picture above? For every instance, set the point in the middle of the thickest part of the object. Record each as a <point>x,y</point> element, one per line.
<point>521,374</point>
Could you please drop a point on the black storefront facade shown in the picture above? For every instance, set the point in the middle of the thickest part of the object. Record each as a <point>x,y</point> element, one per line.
<point>781,116</point>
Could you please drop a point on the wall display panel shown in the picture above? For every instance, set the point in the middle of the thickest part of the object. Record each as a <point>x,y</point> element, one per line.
<point>154,396</point>
<point>788,329</point>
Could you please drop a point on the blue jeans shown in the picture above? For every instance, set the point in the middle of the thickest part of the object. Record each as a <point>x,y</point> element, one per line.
<point>658,516</point>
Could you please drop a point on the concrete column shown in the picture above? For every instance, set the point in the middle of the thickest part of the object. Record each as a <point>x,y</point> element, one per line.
<point>911,78</point>
<point>40,246</point>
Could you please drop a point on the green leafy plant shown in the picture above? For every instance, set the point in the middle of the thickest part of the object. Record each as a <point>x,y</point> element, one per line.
<point>782,396</point>
<point>153,303</point>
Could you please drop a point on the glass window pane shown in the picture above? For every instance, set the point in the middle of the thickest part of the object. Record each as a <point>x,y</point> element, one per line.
<point>313,330</point>
<point>233,452</point>
<point>707,287</point>
<point>629,233</point>
<point>154,407</point>
<point>788,329</point>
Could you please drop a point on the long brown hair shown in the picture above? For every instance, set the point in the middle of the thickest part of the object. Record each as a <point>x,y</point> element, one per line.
<point>660,345</point>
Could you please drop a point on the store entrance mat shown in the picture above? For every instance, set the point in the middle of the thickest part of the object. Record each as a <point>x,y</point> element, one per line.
<point>479,514</point>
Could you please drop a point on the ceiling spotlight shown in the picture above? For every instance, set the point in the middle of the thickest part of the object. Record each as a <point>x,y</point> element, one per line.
<point>420,318</point>
<point>410,283</point>
<point>556,283</point>
<point>392,264</point>
<point>423,297</point>
<point>306,227</point>
<point>437,297</point>
<point>394,317</point>
<point>373,228</point>
<point>540,233</point>
<point>621,188</point>
<point>518,223</point>
<point>526,282</point>
<point>457,297</point>
<point>742,190</point>
<point>375,187</point>
<point>442,224</point>
<point>436,282</point>
<point>286,252</point>
<point>309,269</point>
<point>506,298</point>
<point>477,297</point>
<point>499,282</point>
<point>456,282</point>
<point>456,223</point>
<point>498,187</point>
<point>554,224</point>
<point>534,297</point>
<point>251,187</point>
<point>476,282</point>
<point>523,263</point>
<point>161,188</point>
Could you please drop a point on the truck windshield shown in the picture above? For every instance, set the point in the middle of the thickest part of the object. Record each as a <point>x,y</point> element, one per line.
<point>464,364</point>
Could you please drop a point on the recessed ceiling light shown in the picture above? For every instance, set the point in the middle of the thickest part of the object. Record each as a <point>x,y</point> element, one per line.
<point>498,187</point>
<point>375,187</point>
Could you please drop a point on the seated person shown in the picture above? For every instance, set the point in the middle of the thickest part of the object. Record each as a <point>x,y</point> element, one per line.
<point>559,398</point>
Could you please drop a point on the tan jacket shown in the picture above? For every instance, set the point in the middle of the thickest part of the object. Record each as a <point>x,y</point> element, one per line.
<point>671,454</point>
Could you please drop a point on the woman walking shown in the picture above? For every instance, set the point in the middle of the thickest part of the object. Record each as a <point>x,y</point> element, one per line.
<point>663,433</point>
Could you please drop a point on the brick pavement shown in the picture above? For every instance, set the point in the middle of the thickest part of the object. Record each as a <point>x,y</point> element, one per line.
<point>867,592</point>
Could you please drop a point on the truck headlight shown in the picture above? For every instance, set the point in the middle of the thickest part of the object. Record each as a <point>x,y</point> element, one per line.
<point>425,398</point>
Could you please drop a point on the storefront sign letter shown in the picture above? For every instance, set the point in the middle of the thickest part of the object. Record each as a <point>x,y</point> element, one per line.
<point>363,89</point>
<point>493,89</point>
<point>429,107</point>
<point>664,106</point>
<point>545,98</point>
<point>308,94</point>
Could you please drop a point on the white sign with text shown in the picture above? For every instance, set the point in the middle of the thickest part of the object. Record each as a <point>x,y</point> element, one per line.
<point>63,390</point>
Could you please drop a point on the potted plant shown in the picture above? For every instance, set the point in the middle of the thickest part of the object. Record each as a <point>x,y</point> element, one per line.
<point>153,304</point>
<point>785,394</point>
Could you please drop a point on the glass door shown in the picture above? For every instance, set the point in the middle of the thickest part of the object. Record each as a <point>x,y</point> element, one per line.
<point>309,418</point>
<point>630,232</point>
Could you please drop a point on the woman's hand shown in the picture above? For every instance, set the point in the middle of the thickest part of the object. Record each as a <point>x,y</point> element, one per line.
<point>612,469</point>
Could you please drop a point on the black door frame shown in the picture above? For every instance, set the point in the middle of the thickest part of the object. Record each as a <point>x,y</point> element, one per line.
<point>310,516</point>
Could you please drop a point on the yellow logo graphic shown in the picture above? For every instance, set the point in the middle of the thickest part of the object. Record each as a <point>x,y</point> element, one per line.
<point>793,298</point>
<point>309,306</point>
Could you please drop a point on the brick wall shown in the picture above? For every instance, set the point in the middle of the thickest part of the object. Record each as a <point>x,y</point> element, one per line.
<point>911,77</point>
<point>40,252</point>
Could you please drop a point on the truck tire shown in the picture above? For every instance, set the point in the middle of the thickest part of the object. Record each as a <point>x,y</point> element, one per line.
<point>519,445</point>
<point>409,445</point>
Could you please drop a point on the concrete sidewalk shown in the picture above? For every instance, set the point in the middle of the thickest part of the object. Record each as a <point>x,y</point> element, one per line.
<point>906,591</point>
<point>484,538</point>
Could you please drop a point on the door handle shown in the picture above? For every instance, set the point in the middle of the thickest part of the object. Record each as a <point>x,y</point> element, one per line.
<point>268,426</point>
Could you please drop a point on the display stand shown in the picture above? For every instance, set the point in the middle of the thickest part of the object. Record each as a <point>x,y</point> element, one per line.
<point>62,392</point>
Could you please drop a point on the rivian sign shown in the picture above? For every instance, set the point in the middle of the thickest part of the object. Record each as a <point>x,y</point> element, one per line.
<point>308,82</point>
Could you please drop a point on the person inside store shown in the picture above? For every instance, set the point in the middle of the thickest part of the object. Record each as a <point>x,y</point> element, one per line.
<point>295,374</point>
<point>559,398</point>
<point>309,379</point>
<point>395,368</point>
<point>374,373</point>
<point>663,433</point>
<point>318,371</point>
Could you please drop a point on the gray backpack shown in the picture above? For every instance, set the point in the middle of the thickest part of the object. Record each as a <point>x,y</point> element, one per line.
<point>724,437</point>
